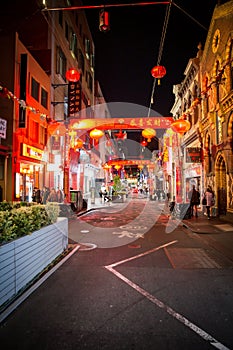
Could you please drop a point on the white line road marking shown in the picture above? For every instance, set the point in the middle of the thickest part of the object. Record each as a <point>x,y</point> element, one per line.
<point>170,311</point>
<point>142,254</point>
<point>212,341</point>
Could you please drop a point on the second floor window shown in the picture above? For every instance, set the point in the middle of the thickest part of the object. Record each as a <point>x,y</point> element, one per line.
<point>35,89</point>
<point>44,98</point>
<point>61,63</point>
<point>74,44</point>
<point>42,136</point>
<point>81,60</point>
<point>34,134</point>
<point>87,48</point>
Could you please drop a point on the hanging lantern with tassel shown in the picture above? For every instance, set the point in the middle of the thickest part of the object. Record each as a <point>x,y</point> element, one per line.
<point>96,134</point>
<point>181,125</point>
<point>144,143</point>
<point>78,144</point>
<point>148,134</point>
<point>158,72</point>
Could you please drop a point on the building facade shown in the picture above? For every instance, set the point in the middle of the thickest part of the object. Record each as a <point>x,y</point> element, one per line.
<point>217,107</point>
<point>205,99</point>
<point>38,142</point>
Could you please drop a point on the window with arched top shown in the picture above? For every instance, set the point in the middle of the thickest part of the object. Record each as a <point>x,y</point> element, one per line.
<point>231,127</point>
<point>189,100</point>
<point>185,105</point>
<point>231,64</point>
<point>196,109</point>
<point>209,149</point>
<point>205,91</point>
<point>217,68</point>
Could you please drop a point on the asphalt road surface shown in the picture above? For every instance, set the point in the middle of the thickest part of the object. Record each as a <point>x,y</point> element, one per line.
<point>145,283</point>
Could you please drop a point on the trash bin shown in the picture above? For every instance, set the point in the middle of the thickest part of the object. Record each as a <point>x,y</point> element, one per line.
<point>84,204</point>
<point>76,200</point>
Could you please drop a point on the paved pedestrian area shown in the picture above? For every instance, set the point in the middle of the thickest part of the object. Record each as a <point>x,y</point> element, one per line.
<point>217,232</point>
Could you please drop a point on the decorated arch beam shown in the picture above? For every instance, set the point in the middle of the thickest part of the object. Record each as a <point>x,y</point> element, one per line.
<point>121,123</point>
<point>129,162</point>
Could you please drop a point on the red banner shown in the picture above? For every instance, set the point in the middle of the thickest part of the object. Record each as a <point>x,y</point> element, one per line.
<point>122,123</point>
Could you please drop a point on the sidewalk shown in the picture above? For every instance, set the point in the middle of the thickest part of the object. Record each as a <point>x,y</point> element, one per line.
<point>217,232</point>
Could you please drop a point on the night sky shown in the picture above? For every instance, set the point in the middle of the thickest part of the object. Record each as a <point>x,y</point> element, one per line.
<point>126,54</point>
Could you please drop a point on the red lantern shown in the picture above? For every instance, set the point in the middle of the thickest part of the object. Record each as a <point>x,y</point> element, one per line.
<point>53,127</point>
<point>96,134</point>
<point>104,25</point>
<point>120,135</point>
<point>72,75</point>
<point>144,143</point>
<point>158,72</point>
<point>148,134</point>
<point>180,125</point>
<point>78,144</point>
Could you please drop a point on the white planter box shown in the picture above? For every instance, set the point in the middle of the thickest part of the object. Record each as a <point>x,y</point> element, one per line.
<point>24,258</point>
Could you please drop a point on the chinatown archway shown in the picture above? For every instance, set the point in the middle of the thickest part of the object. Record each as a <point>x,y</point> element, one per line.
<point>119,127</point>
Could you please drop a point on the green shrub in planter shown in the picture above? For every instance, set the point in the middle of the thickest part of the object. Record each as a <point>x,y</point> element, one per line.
<point>53,211</point>
<point>6,224</point>
<point>6,206</point>
<point>24,220</point>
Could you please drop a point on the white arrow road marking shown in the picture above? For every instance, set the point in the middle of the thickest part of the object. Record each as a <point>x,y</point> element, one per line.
<point>204,335</point>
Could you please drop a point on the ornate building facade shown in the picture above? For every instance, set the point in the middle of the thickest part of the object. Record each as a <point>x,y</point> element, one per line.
<point>205,99</point>
<point>216,122</point>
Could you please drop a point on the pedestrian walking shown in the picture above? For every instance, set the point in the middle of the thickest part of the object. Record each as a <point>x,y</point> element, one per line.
<point>45,194</point>
<point>194,196</point>
<point>209,195</point>
<point>36,195</point>
<point>52,196</point>
<point>60,196</point>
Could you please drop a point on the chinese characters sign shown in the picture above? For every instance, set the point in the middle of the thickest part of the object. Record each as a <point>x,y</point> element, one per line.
<point>193,155</point>
<point>123,123</point>
<point>3,124</point>
<point>74,98</point>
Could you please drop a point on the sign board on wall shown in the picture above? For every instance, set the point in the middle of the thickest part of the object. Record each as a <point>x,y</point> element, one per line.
<point>3,124</point>
<point>193,155</point>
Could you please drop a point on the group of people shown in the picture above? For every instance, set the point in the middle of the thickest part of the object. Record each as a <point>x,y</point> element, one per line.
<point>207,200</point>
<point>47,195</point>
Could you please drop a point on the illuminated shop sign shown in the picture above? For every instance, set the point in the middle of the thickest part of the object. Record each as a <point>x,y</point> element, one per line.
<point>193,155</point>
<point>32,152</point>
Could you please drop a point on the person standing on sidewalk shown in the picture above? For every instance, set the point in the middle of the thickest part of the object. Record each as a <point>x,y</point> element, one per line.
<point>209,201</point>
<point>194,196</point>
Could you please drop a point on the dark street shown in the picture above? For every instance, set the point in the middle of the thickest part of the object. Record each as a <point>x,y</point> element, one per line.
<point>154,290</point>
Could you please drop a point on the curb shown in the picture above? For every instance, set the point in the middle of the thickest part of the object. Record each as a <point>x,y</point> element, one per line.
<point>188,227</point>
<point>36,285</point>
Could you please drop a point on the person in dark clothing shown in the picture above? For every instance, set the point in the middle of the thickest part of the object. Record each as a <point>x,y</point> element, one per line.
<point>45,194</point>
<point>194,196</point>
<point>36,197</point>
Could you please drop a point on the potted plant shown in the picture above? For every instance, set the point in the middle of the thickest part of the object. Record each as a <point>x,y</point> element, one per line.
<point>119,191</point>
